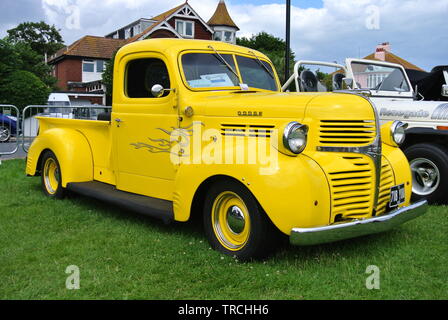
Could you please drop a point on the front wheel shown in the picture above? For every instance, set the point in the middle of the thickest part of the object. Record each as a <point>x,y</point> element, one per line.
<point>51,176</point>
<point>429,166</point>
<point>5,134</point>
<point>235,224</point>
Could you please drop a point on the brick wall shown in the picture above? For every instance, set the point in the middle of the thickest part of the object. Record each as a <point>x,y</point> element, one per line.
<point>68,69</point>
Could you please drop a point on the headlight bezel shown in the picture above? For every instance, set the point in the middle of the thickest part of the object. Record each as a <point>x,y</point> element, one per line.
<point>289,129</point>
<point>394,128</point>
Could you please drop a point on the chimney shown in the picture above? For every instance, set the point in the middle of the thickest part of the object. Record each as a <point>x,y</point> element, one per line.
<point>381,49</point>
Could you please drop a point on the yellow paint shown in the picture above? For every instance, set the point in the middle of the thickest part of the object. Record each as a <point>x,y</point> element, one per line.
<point>294,191</point>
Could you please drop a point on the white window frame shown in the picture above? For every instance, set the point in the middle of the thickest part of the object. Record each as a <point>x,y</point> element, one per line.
<point>184,27</point>
<point>89,61</point>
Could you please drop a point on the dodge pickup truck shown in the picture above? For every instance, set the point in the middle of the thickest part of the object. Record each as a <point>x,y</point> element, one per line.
<point>202,128</point>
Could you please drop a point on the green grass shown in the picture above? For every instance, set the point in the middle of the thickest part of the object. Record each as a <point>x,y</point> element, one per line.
<point>125,256</point>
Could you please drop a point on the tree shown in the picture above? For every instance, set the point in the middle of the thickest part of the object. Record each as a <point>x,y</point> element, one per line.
<point>42,38</point>
<point>21,56</point>
<point>22,88</point>
<point>273,47</point>
<point>108,78</point>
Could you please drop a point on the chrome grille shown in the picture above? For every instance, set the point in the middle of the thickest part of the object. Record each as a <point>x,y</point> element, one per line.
<point>346,132</point>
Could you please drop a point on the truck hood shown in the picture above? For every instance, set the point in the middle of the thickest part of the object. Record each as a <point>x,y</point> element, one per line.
<point>251,104</point>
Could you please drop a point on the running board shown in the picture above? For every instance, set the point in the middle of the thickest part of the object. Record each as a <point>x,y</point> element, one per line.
<point>156,208</point>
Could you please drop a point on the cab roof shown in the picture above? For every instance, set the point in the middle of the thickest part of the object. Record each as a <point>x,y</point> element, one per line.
<point>175,46</point>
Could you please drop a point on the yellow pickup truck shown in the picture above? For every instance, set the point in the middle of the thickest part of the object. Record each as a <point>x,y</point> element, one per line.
<point>202,128</point>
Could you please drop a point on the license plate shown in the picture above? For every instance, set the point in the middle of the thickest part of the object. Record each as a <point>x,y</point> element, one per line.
<point>397,195</point>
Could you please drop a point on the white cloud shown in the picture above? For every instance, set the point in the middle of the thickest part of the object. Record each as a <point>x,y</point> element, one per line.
<point>416,30</point>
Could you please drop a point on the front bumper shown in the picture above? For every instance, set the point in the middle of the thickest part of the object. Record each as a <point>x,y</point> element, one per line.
<point>347,230</point>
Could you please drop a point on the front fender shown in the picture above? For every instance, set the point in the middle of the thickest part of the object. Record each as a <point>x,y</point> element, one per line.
<point>295,193</point>
<point>71,149</point>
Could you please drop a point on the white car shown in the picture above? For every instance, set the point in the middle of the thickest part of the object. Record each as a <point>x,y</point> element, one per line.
<point>389,88</point>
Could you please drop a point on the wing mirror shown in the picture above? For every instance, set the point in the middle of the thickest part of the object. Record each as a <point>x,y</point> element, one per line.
<point>445,90</point>
<point>158,91</point>
<point>348,82</point>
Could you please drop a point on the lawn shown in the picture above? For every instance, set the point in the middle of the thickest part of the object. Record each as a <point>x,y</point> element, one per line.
<point>121,255</point>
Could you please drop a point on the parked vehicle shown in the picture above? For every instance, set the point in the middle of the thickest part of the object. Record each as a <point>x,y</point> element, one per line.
<point>424,111</point>
<point>8,127</point>
<point>186,137</point>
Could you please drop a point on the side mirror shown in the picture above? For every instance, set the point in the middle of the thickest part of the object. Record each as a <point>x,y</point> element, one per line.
<point>445,90</point>
<point>157,91</point>
<point>348,82</point>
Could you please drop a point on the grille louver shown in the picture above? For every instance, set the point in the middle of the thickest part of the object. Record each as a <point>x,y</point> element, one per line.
<point>243,130</point>
<point>346,132</point>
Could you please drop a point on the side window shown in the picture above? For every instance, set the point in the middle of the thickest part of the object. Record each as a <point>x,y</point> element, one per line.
<point>143,74</point>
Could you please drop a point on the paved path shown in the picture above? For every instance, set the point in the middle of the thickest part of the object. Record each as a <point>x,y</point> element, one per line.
<point>9,147</point>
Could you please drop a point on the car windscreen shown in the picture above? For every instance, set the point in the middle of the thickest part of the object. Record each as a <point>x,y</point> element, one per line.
<point>380,78</point>
<point>256,73</point>
<point>207,70</point>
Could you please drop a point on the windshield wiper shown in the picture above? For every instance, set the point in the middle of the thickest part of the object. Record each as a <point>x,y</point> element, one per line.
<point>262,64</point>
<point>224,61</point>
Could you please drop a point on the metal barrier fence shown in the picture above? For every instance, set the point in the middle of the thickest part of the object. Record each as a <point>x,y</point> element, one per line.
<point>9,129</point>
<point>30,125</point>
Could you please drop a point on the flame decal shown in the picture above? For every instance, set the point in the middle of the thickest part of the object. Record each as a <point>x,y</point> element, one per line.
<point>177,136</point>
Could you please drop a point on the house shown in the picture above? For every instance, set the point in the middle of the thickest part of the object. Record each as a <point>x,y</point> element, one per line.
<point>224,29</point>
<point>79,67</point>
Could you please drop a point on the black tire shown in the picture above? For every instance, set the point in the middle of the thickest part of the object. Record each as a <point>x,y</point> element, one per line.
<point>5,134</point>
<point>51,176</point>
<point>255,238</point>
<point>429,163</point>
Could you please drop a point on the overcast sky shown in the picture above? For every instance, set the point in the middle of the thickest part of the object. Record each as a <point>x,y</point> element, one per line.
<point>329,30</point>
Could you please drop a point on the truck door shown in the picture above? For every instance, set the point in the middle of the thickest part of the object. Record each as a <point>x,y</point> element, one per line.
<point>142,125</point>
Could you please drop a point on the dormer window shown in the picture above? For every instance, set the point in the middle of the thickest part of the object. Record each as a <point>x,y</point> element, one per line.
<point>185,28</point>
<point>223,35</point>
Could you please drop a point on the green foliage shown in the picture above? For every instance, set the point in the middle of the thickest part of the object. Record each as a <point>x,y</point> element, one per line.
<point>42,38</point>
<point>22,88</point>
<point>108,78</point>
<point>271,46</point>
<point>25,79</point>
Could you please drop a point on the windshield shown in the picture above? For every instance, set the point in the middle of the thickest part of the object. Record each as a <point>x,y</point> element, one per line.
<point>378,77</point>
<point>207,70</point>
<point>255,75</point>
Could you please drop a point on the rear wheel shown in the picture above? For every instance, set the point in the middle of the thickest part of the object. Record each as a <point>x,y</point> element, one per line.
<point>235,224</point>
<point>51,176</point>
<point>429,166</point>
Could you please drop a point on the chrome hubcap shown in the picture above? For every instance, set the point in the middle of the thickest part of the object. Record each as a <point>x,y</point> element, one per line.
<point>4,133</point>
<point>425,176</point>
<point>235,219</point>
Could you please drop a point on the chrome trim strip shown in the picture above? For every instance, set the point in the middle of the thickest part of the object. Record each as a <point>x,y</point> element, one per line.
<point>347,230</point>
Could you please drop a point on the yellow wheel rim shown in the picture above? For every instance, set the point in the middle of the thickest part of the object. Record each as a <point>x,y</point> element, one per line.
<point>231,221</point>
<point>51,176</point>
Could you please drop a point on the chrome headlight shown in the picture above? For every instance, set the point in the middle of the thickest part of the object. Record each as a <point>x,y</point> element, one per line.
<point>398,132</point>
<point>295,137</point>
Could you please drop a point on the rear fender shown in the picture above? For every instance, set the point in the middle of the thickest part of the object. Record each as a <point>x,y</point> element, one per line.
<point>71,149</point>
